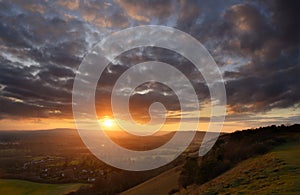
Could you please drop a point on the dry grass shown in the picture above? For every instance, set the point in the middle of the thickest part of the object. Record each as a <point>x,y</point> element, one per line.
<point>277,172</point>
<point>160,184</point>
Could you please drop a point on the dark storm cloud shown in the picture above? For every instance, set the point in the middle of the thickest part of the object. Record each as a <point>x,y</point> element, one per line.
<point>139,55</point>
<point>149,92</point>
<point>24,90</point>
<point>42,43</point>
<point>189,14</point>
<point>254,94</point>
<point>249,24</point>
<point>257,43</point>
<point>271,42</point>
<point>38,57</point>
<point>47,37</point>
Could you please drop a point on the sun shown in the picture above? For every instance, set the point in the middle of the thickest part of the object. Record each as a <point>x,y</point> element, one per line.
<point>107,122</point>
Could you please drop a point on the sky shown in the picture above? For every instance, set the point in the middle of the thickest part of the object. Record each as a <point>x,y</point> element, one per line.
<point>254,43</point>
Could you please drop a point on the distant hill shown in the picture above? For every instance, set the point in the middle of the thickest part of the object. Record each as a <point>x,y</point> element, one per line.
<point>263,160</point>
<point>58,156</point>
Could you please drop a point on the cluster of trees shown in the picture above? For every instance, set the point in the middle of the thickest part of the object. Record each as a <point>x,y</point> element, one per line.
<point>231,149</point>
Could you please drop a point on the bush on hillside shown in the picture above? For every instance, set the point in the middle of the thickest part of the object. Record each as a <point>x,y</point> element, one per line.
<point>231,149</point>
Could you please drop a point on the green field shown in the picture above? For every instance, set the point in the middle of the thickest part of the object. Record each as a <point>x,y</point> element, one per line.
<point>277,172</point>
<point>18,187</point>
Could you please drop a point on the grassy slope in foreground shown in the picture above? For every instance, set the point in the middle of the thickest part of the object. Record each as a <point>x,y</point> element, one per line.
<point>16,187</point>
<point>160,184</point>
<point>277,172</point>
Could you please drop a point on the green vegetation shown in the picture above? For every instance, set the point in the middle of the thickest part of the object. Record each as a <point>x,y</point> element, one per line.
<point>60,157</point>
<point>233,148</point>
<point>264,160</point>
<point>277,172</point>
<point>261,161</point>
<point>15,187</point>
<point>275,169</point>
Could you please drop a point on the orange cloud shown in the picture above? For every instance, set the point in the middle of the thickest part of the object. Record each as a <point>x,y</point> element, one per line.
<point>70,4</point>
<point>35,8</point>
<point>143,11</point>
<point>133,11</point>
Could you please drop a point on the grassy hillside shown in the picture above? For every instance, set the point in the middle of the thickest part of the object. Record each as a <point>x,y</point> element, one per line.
<point>257,161</point>
<point>161,184</point>
<point>233,148</point>
<point>16,187</point>
<point>277,172</point>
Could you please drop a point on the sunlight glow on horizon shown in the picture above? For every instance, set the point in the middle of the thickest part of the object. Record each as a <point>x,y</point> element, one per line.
<point>230,125</point>
<point>107,122</point>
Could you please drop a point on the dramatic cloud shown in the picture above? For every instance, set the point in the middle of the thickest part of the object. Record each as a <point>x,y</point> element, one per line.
<point>269,79</point>
<point>255,43</point>
<point>146,11</point>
